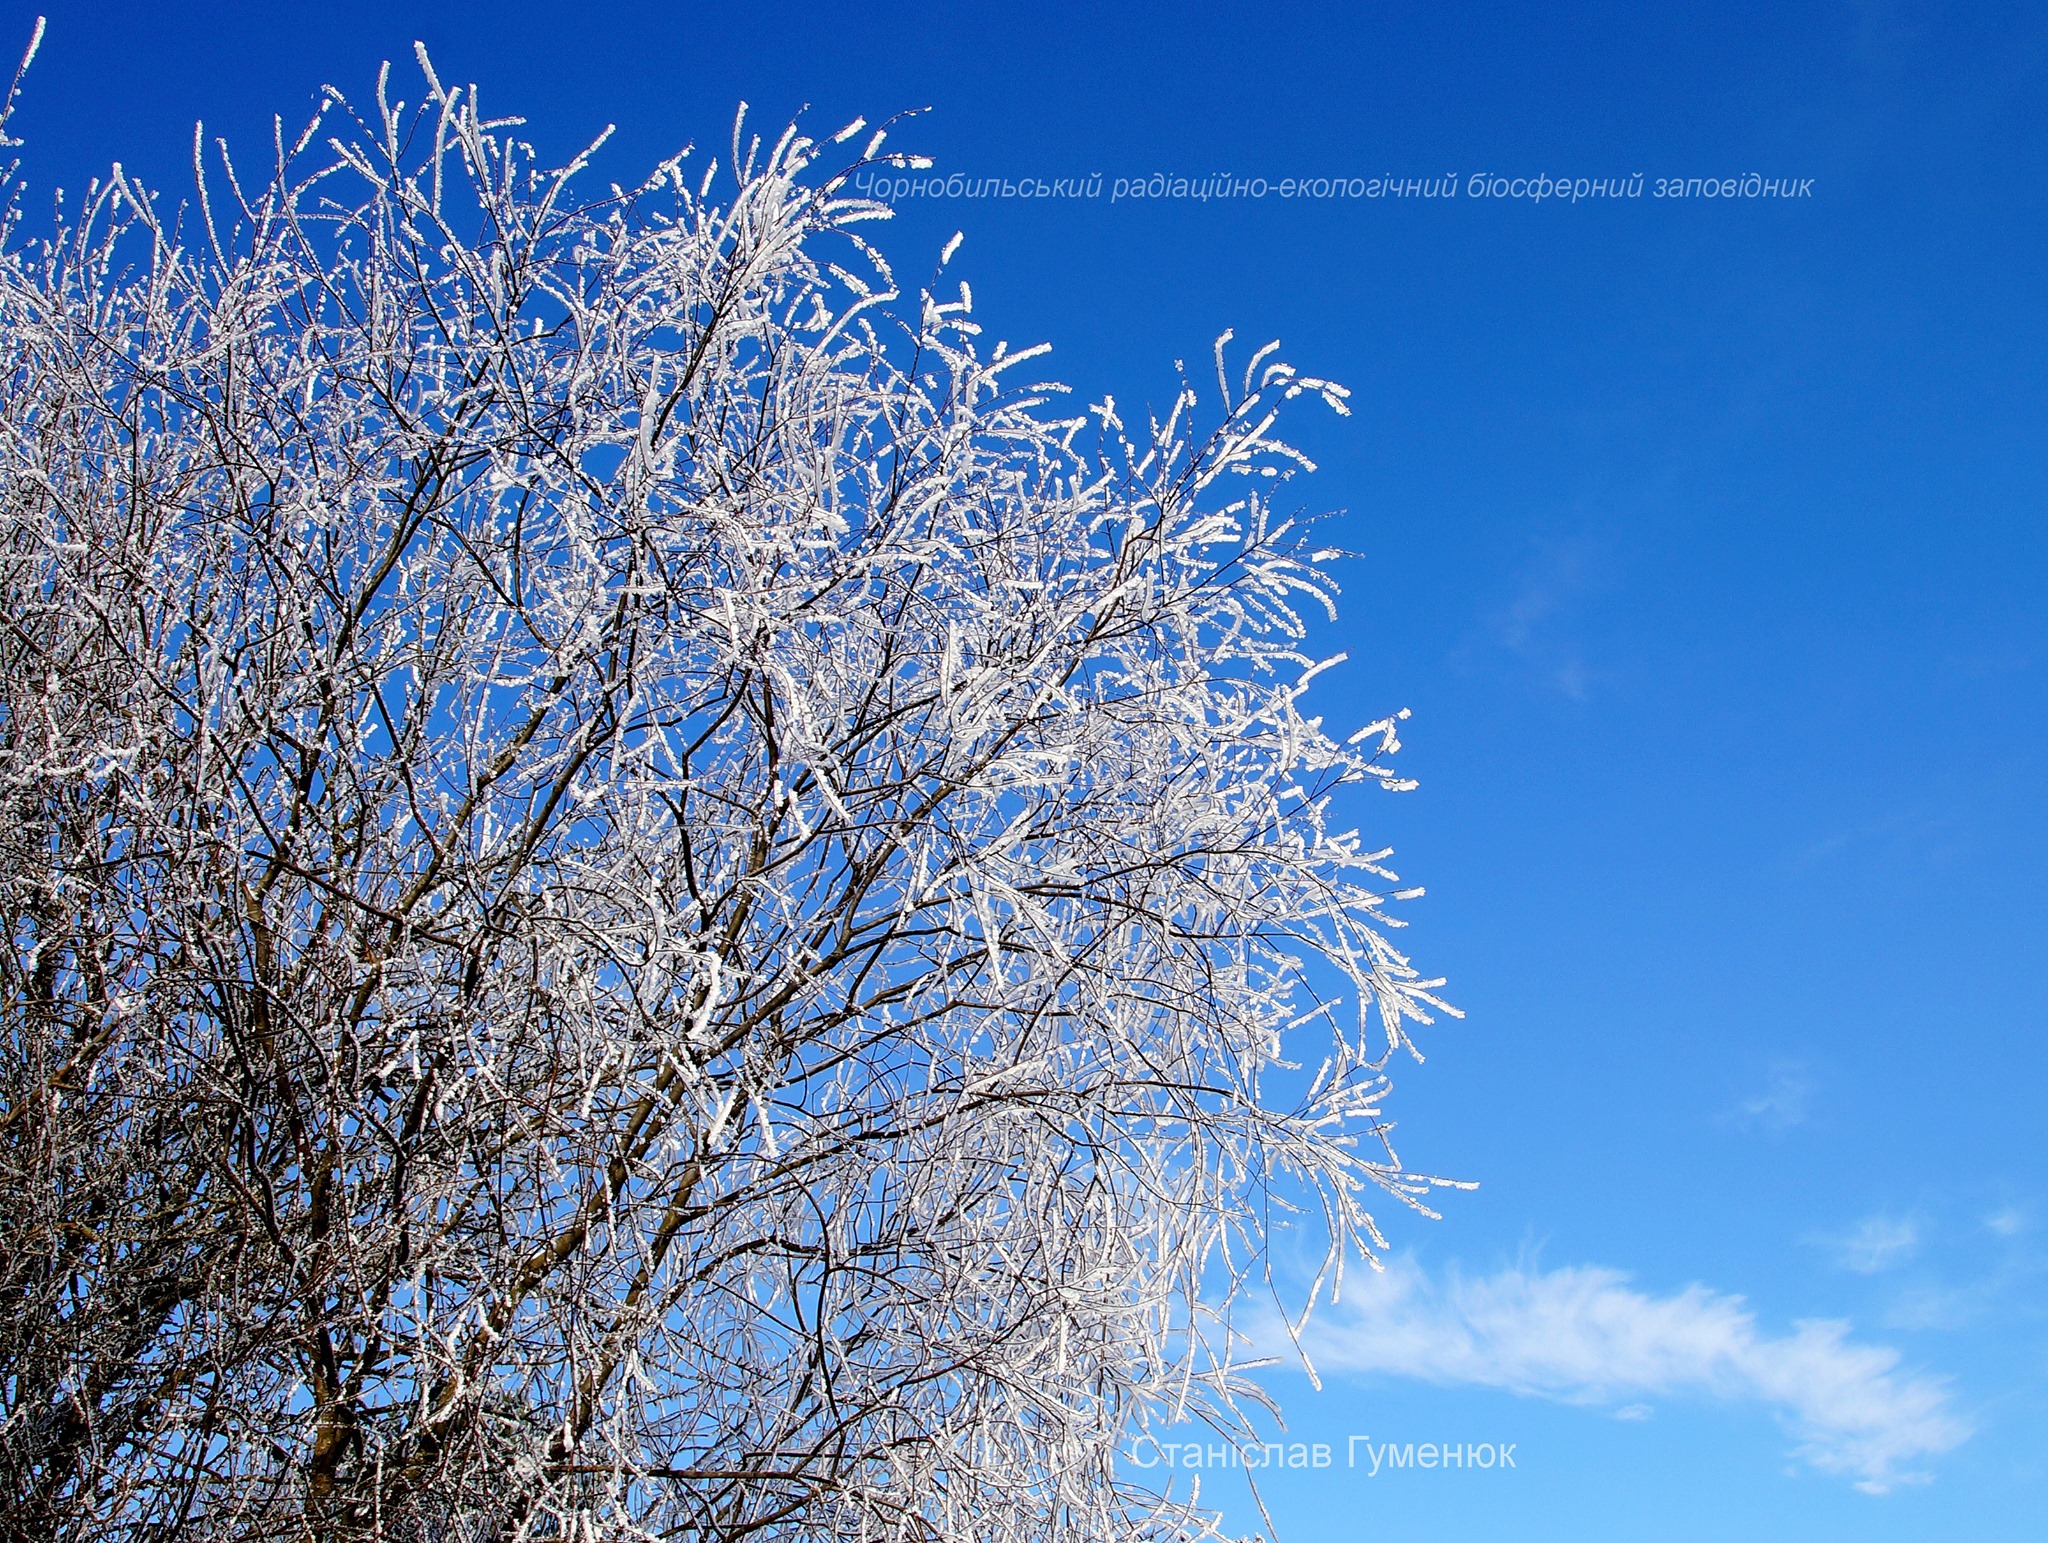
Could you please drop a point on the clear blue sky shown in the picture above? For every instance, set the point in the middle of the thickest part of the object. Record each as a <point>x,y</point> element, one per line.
<point>1705,541</point>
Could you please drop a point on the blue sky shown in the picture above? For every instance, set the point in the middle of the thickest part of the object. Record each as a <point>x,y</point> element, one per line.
<point>1705,542</point>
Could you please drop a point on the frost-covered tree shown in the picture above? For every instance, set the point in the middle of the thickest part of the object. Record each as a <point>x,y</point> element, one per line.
<point>645,896</point>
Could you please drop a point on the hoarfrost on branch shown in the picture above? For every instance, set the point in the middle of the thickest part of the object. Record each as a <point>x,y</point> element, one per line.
<point>647,896</point>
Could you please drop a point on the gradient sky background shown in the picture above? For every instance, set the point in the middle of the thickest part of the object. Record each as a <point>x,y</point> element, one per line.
<point>1705,541</point>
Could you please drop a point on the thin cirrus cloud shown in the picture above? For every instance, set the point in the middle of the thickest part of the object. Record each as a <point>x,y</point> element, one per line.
<point>1784,1101</point>
<point>2008,1221</point>
<point>1536,626</point>
<point>1583,1334</point>
<point>1876,1244</point>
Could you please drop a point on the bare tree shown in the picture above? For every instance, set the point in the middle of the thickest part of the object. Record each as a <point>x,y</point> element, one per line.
<point>642,900</point>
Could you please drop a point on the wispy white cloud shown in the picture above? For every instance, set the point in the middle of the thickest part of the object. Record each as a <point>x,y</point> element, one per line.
<point>1585,1335</point>
<point>1876,1244</point>
<point>1923,1307</point>
<point>1537,625</point>
<point>2008,1221</point>
<point>1782,1102</point>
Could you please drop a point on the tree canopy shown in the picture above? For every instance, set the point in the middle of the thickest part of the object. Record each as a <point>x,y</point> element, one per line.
<point>648,893</point>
